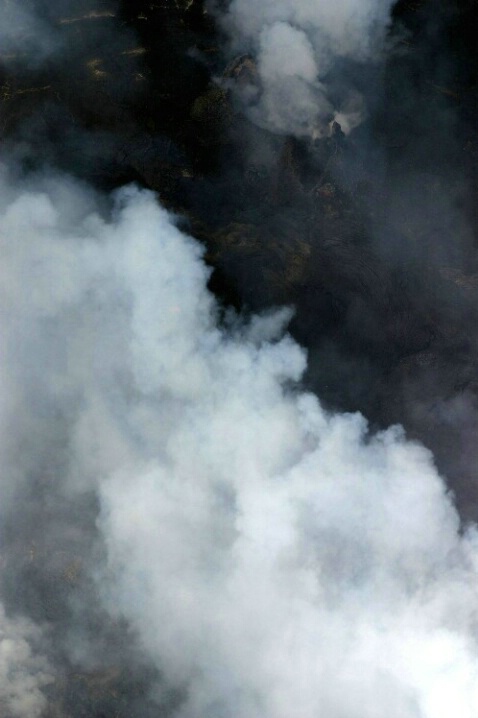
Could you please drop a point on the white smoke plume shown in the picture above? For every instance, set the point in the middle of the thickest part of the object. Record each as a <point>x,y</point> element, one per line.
<point>274,559</point>
<point>296,45</point>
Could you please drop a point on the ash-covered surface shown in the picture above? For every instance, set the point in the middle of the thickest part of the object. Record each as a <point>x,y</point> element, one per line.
<point>368,231</point>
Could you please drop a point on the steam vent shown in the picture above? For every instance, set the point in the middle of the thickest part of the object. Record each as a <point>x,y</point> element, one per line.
<point>238,359</point>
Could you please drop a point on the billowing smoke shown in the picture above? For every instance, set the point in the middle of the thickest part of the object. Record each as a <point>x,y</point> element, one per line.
<point>186,529</point>
<point>272,558</point>
<point>297,45</point>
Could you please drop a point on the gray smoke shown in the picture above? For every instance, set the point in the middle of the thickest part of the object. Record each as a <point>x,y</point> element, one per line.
<point>24,34</point>
<point>297,45</point>
<point>23,673</point>
<point>33,32</point>
<point>273,558</point>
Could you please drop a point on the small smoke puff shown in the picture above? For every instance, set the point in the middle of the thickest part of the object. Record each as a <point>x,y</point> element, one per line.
<point>351,113</point>
<point>296,44</point>
<point>291,98</point>
<point>286,52</point>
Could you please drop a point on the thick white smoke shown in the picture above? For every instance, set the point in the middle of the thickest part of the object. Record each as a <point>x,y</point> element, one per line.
<point>274,559</point>
<point>296,45</point>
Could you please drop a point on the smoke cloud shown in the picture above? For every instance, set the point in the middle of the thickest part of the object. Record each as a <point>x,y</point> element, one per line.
<point>185,529</point>
<point>272,558</point>
<point>297,45</point>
